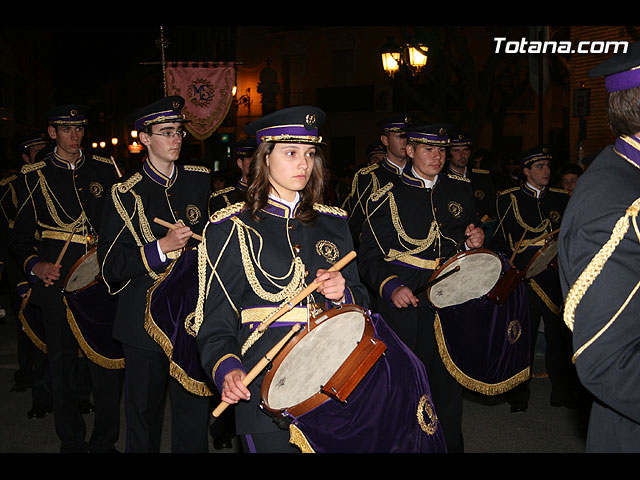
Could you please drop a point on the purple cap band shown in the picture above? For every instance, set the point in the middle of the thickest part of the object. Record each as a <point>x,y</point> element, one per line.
<point>282,133</point>
<point>623,80</point>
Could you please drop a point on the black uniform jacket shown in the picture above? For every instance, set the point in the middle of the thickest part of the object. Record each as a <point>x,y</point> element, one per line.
<point>599,260</point>
<point>253,267</point>
<point>128,252</point>
<point>484,191</point>
<point>227,196</point>
<point>366,181</point>
<point>518,209</point>
<point>410,230</point>
<point>54,200</point>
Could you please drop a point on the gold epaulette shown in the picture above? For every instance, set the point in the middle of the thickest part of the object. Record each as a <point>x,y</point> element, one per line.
<point>558,190</point>
<point>125,186</point>
<point>8,179</point>
<point>329,210</point>
<point>458,177</point>
<point>102,159</point>
<point>508,190</point>
<point>222,191</point>
<point>196,168</point>
<point>227,212</point>
<point>379,193</point>
<point>480,170</point>
<point>31,167</point>
<point>368,169</point>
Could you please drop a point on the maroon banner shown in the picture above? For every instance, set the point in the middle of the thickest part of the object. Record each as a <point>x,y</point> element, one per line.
<point>207,91</point>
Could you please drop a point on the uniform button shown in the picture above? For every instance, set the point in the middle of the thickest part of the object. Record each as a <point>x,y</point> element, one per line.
<point>290,227</point>
<point>297,248</point>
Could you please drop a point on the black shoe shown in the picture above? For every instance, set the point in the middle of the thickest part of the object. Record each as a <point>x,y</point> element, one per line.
<point>86,407</point>
<point>519,407</point>
<point>39,412</point>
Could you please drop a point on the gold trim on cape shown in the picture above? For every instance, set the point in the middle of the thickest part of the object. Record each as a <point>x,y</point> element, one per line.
<point>203,389</point>
<point>468,382</point>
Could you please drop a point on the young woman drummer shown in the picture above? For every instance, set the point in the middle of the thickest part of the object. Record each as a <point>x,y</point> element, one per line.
<point>259,254</point>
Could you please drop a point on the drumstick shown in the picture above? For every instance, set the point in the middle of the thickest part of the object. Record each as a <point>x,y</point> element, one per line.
<point>116,167</point>
<point>304,293</point>
<point>515,250</point>
<point>261,365</point>
<point>63,250</point>
<point>172,226</point>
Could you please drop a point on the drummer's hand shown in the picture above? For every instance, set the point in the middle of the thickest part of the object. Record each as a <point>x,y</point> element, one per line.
<point>175,239</point>
<point>233,390</point>
<point>332,286</point>
<point>47,272</point>
<point>402,297</point>
<point>475,236</point>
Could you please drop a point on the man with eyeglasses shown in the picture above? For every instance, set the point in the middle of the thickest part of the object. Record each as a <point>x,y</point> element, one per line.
<point>135,253</point>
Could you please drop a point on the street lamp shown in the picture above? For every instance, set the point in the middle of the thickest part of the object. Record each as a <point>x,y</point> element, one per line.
<point>413,55</point>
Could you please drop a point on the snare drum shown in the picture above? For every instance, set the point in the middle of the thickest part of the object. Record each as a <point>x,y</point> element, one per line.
<point>347,384</point>
<point>482,321</point>
<point>543,258</point>
<point>91,312</point>
<point>478,271</point>
<point>83,273</point>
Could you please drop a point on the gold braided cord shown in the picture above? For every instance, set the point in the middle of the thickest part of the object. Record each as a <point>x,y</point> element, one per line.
<point>204,284</point>
<point>52,209</point>
<point>516,212</point>
<point>544,297</point>
<point>290,290</point>
<point>595,266</point>
<point>126,218</point>
<point>421,244</point>
<point>593,269</point>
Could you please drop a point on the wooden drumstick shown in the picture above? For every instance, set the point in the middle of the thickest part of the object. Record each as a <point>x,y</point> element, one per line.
<point>173,227</point>
<point>116,167</point>
<point>304,293</point>
<point>261,365</point>
<point>64,249</point>
<point>515,250</point>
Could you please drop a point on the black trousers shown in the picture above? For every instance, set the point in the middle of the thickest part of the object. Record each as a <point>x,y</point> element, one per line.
<point>272,442</point>
<point>146,381</point>
<point>558,352</point>
<point>64,364</point>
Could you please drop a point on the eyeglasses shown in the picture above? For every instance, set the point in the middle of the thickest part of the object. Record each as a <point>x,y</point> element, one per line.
<point>168,134</point>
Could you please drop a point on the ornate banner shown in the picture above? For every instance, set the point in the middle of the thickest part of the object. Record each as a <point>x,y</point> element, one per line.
<point>207,91</point>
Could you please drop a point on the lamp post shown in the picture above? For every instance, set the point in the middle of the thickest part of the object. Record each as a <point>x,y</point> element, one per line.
<point>410,55</point>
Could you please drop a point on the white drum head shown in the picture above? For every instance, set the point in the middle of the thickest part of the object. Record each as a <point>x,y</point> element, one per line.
<point>478,274</point>
<point>542,259</point>
<point>314,359</point>
<point>85,273</point>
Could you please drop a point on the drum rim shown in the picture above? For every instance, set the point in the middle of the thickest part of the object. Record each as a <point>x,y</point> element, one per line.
<point>75,266</point>
<point>552,240</point>
<point>320,397</point>
<point>455,257</point>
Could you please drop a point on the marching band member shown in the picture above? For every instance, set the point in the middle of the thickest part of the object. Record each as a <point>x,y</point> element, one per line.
<point>409,226</point>
<point>261,252</point>
<point>133,252</point>
<point>62,199</point>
